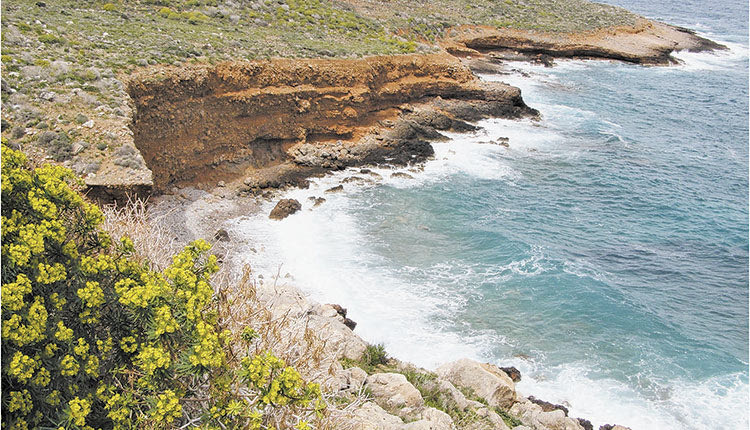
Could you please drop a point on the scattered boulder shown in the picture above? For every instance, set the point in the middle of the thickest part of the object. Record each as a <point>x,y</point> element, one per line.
<point>456,396</point>
<point>394,391</point>
<point>353,379</point>
<point>342,312</point>
<point>401,175</point>
<point>284,208</point>
<point>336,189</point>
<point>532,415</point>
<point>317,201</point>
<point>221,235</point>
<point>370,416</point>
<point>512,372</point>
<point>613,427</point>
<point>547,406</point>
<point>586,424</point>
<point>494,418</point>
<point>487,381</point>
<point>432,419</point>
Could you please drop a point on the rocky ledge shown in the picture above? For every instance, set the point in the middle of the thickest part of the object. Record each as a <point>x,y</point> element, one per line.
<point>646,42</point>
<point>278,121</point>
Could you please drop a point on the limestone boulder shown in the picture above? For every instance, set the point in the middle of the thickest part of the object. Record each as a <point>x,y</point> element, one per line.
<point>534,416</point>
<point>455,396</point>
<point>394,391</point>
<point>432,419</point>
<point>352,379</point>
<point>486,380</point>
<point>492,416</point>
<point>370,416</point>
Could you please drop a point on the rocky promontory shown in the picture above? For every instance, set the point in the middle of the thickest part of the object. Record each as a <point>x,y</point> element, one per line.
<point>645,42</point>
<point>278,121</point>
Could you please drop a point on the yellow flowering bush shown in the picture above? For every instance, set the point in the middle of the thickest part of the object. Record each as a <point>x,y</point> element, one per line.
<point>94,338</point>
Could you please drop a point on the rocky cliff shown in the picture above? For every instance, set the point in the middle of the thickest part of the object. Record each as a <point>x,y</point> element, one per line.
<point>202,124</point>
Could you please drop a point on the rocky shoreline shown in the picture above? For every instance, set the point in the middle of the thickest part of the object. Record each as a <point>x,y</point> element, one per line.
<point>385,394</point>
<point>338,114</point>
<point>274,123</point>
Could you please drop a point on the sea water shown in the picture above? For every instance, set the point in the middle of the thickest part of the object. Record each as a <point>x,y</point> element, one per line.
<point>604,252</point>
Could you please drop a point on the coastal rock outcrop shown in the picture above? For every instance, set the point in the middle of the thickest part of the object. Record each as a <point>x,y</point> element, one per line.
<point>534,416</point>
<point>284,208</point>
<point>646,42</point>
<point>487,381</point>
<point>205,123</point>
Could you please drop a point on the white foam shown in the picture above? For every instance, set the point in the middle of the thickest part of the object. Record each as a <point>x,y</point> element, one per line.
<point>718,403</point>
<point>735,56</point>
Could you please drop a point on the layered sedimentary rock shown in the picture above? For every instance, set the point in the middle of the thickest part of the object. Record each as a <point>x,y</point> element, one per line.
<point>202,124</point>
<point>647,42</point>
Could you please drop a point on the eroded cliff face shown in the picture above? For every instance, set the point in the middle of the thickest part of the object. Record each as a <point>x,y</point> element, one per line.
<point>202,124</point>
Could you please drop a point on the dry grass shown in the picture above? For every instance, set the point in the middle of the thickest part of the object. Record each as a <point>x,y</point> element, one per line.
<point>153,242</point>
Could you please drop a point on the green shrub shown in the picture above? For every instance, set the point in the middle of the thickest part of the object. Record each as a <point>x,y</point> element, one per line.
<point>50,39</point>
<point>375,355</point>
<point>110,7</point>
<point>93,338</point>
<point>165,12</point>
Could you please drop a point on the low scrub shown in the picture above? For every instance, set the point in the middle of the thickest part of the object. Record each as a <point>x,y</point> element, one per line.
<point>92,337</point>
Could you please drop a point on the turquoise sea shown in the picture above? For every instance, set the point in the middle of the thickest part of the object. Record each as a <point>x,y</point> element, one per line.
<point>604,253</point>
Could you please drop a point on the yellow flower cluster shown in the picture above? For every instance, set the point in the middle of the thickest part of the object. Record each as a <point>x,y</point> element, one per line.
<point>81,348</point>
<point>22,367</point>
<point>79,409</point>
<point>63,333</point>
<point>91,295</point>
<point>167,407</point>
<point>165,322</point>
<point>152,358</point>
<point>208,351</point>
<point>128,344</point>
<point>20,401</point>
<point>33,330</point>
<point>51,274</point>
<point>278,384</point>
<point>69,366</point>
<point>13,293</point>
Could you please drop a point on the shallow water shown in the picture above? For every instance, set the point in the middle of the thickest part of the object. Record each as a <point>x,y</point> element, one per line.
<point>604,253</point>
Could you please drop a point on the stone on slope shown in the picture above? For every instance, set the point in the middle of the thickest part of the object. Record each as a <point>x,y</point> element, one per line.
<point>394,391</point>
<point>533,415</point>
<point>432,419</point>
<point>487,381</point>
<point>370,416</point>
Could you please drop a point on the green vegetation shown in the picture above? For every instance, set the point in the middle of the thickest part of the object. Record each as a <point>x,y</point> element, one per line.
<point>374,360</point>
<point>92,337</point>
